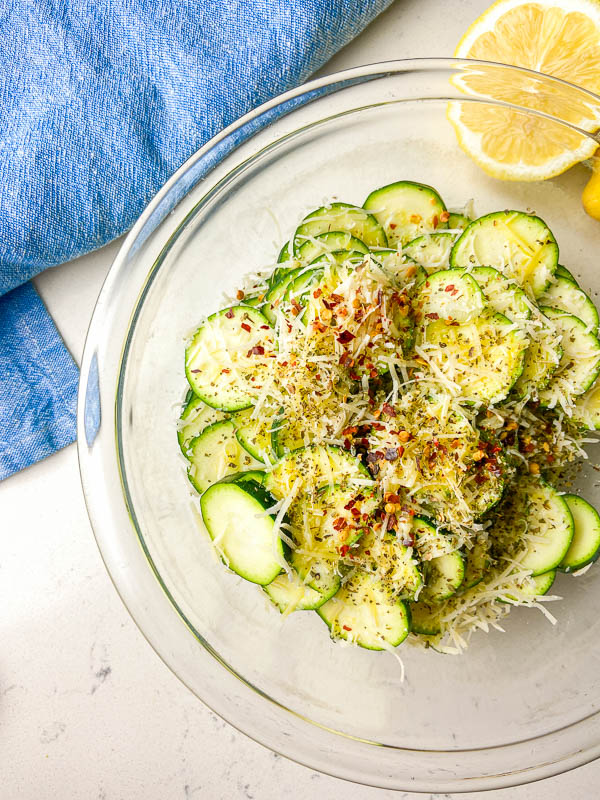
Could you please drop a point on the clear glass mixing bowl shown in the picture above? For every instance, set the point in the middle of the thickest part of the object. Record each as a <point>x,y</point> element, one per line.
<point>518,706</point>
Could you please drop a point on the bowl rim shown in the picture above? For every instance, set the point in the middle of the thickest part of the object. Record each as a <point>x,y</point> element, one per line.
<point>157,209</point>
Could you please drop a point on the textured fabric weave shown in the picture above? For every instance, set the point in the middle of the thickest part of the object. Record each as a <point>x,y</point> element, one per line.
<point>100,101</point>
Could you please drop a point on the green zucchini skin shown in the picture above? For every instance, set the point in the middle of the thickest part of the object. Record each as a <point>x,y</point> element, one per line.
<point>585,545</point>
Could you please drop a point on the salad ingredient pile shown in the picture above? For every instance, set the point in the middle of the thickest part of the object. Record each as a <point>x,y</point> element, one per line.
<point>380,427</point>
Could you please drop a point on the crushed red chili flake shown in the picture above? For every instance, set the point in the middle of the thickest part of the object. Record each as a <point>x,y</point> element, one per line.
<point>229,313</point>
<point>225,371</point>
<point>246,327</point>
<point>335,298</point>
<point>389,410</point>
<point>355,512</point>
<point>344,357</point>
<point>195,371</point>
<point>432,315</point>
<point>240,294</point>
<point>449,287</point>
<point>345,337</point>
<point>339,523</point>
<point>367,552</point>
<point>317,293</point>
<point>350,504</point>
<point>257,350</point>
<point>346,628</point>
<point>344,550</point>
<point>265,328</point>
<point>347,444</point>
<point>354,376</point>
<point>393,226</point>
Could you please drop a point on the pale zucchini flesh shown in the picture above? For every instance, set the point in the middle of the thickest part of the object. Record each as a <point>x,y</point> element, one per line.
<point>328,243</point>
<point>450,295</point>
<point>289,593</point>
<point>585,545</point>
<point>565,295</point>
<point>215,453</point>
<point>519,245</point>
<point>341,217</point>
<point>407,210</point>
<point>431,251</point>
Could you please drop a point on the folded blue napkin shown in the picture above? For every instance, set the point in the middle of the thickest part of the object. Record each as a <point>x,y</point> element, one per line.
<point>100,101</point>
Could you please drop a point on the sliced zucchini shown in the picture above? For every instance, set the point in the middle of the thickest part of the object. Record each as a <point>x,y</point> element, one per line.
<point>340,258</point>
<point>289,593</point>
<point>483,357</point>
<point>399,269</point>
<point>216,452</point>
<point>528,589</point>
<point>245,536</point>
<point>425,619</point>
<point>276,293</point>
<point>284,254</point>
<point>503,295</point>
<point>563,272</point>
<point>519,245</point>
<point>443,577</point>
<point>313,467</point>
<point>318,572</point>
<point>535,528</point>
<point>328,243</point>
<point>338,515</point>
<point>364,611</point>
<point>340,217</point>
<point>586,412</point>
<point>580,362</point>
<point>228,359</point>
<point>298,287</point>
<point>431,251</point>
<point>254,434</point>
<point>458,222</point>
<point>585,546</point>
<point>567,296</point>
<point>393,561</point>
<point>542,359</point>
<point>450,295</point>
<point>407,210</point>
<point>196,416</point>
<point>477,563</point>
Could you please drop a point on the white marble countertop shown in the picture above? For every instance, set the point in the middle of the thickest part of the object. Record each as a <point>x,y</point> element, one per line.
<point>87,710</point>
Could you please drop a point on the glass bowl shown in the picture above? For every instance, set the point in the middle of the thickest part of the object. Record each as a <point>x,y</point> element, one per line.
<point>518,706</point>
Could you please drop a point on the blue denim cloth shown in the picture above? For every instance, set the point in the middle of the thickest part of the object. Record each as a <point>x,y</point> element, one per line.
<point>100,101</point>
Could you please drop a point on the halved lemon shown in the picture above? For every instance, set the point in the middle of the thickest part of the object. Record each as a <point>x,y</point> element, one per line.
<point>561,39</point>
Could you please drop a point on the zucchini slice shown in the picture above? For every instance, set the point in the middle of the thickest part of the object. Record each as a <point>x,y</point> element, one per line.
<point>289,593</point>
<point>458,222</point>
<point>400,269</point>
<point>340,217</point>
<point>580,362</point>
<point>313,467</point>
<point>254,434</point>
<point>431,251</point>
<point>503,295</point>
<point>542,359</point>
<point>328,243</point>
<point>563,272</point>
<point>425,619</point>
<point>215,453</point>
<point>450,295</point>
<point>529,588</point>
<point>483,357</point>
<point>195,417</point>
<point>586,412</point>
<point>394,561</point>
<point>519,245</point>
<point>364,611</point>
<point>276,293</point>
<point>284,254</point>
<point>443,577</point>
<point>407,210</point>
<point>318,572</point>
<point>536,527</point>
<point>227,361</point>
<point>585,546</point>
<point>233,513</point>
<point>477,563</point>
<point>565,295</point>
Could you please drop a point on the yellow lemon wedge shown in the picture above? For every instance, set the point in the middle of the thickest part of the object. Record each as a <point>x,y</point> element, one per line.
<point>591,194</point>
<point>561,39</point>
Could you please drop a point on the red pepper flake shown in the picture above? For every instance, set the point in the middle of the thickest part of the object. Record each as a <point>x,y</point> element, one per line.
<point>240,294</point>
<point>367,552</point>
<point>444,216</point>
<point>345,337</point>
<point>265,328</point>
<point>344,550</point>
<point>339,523</point>
<point>349,431</point>
<point>480,478</point>
<point>225,371</point>
<point>347,444</point>
<point>432,315</point>
<point>354,376</point>
<point>246,327</point>
<point>435,220</point>
<point>344,357</point>
<point>389,410</point>
<point>257,350</point>
<point>449,288</point>
<point>355,512</point>
<point>393,226</point>
<point>346,628</point>
<point>195,371</point>
<point>317,293</point>
<point>350,504</point>
<point>335,298</point>
<point>229,313</point>
<point>284,363</point>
